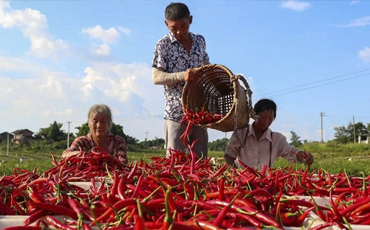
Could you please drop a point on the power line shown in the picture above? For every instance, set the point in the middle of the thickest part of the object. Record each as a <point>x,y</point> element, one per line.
<point>317,83</point>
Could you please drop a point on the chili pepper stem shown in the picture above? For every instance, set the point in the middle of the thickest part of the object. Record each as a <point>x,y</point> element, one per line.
<point>97,224</point>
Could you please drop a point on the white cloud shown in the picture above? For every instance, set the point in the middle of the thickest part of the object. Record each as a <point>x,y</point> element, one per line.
<point>8,64</point>
<point>108,36</point>
<point>354,2</point>
<point>117,80</point>
<point>66,112</point>
<point>295,5</point>
<point>33,25</point>
<point>40,96</point>
<point>102,50</point>
<point>365,54</point>
<point>364,21</point>
<point>124,30</point>
<point>53,86</point>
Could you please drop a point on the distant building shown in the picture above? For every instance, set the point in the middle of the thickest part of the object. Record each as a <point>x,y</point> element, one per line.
<point>22,135</point>
<point>4,136</point>
<point>154,147</point>
<point>363,138</point>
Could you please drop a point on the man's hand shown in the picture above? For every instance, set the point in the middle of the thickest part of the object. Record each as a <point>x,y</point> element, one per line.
<point>230,160</point>
<point>190,74</point>
<point>309,159</point>
<point>305,158</point>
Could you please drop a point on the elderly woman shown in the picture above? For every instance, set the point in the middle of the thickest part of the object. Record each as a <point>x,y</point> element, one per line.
<point>100,122</point>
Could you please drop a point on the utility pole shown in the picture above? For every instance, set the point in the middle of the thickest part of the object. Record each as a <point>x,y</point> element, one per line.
<point>7,144</point>
<point>354,130</point>
<point>322,130</point>
<point>146,137</point>
<point>69,123</point>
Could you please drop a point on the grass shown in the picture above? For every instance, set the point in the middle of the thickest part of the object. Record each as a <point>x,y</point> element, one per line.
<point>351,158</point>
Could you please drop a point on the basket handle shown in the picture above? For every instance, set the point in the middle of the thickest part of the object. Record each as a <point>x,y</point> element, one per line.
<point>248,92</point>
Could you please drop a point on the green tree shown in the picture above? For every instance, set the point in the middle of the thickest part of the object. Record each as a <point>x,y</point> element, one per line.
<point>131,141</point>
<point>53,132</point>
<point>218,145</point>
<point>295,139</point>
<point>345,135</point>
<point>159,142</point>
<point>116,129</point>
<point>341,135</point>
<point>83,130</point>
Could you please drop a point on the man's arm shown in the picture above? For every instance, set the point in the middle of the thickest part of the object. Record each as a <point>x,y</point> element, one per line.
<point>160,77</point>
<point>232,149</point>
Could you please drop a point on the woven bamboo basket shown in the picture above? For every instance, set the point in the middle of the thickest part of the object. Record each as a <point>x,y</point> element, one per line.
<point>218,90</point>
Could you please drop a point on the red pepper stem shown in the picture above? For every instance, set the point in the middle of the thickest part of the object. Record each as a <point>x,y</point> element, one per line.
<point>168,220</point>
<point>151,194</point>
<point>97,224</point>
<point>139,208</point>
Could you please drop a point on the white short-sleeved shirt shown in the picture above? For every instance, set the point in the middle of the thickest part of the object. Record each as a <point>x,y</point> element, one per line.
<point>256,153</point>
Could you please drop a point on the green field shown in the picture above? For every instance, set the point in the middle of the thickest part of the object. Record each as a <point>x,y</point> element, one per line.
<point>350,158</point>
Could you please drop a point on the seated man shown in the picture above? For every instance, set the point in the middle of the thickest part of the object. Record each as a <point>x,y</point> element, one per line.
<point>256,145</point>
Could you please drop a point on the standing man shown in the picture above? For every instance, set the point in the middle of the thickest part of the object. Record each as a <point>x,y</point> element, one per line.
<point>176,56</point>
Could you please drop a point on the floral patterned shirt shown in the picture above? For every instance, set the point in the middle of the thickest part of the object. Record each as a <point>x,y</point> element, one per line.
<point>116,145</point>
<point>170,55</point>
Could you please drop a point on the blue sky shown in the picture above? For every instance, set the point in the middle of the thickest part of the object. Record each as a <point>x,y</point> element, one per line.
<point>57,58</point>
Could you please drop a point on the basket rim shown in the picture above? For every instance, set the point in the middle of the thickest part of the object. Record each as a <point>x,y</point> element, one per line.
<point>201,70</point>
<point>234,117</point>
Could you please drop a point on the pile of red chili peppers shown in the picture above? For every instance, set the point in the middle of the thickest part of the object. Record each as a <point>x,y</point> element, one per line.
<point>178,193</point>
<point>182,192</point>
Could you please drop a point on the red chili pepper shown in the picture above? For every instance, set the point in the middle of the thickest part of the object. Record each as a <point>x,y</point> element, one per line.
<point>223,211</point>
<point>85,227</point>
<point>297,202</point>
<point>139,223</point>
<point>55,163</point>
<point>57,224</point>
<point>323,226</point>
<point>354,206</point>
<point>114,188</point>
<point>289,218</point>
<point>204,225</point>
<point>5,209</point>
<point>117,206</point>
<point>121,188</point>
<point>266,219</point>
<point>302,217</point>
<point>138,186</point>
<point>23,228</point>
<point>75,207</point>
<point>221,189</point>
<point>35,216</point>
<point>360,209</point>
<point>55,208</point>
<point>133,171</point>
<point>218,172</point>
<point>251,219</point>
